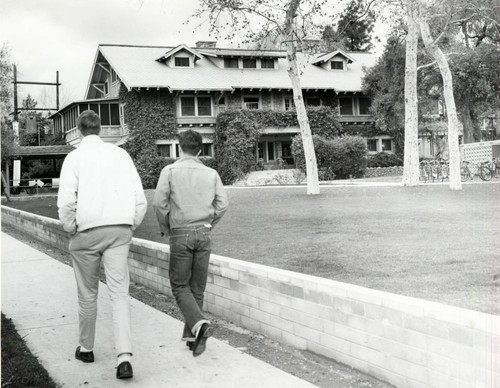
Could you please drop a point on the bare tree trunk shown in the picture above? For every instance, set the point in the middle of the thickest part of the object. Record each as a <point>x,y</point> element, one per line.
<point>469,136</point>
<point>411,164</point>
<point>444,68</point>
<point>305,129</point>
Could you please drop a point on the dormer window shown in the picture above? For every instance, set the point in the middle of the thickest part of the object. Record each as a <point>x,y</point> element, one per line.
<point>267,63</point>
<point>249,63</point>
<point>231,63</point>
<point>182,62</point>
<point>337,65</point>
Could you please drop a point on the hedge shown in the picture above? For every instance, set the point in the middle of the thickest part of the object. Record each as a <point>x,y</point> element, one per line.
<point>338,158</point>
<point>384,159</point>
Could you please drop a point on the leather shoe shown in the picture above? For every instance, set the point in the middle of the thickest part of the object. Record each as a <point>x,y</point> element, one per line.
<point>199,344</point>
<point>84,356</point>
<point>124,370</point>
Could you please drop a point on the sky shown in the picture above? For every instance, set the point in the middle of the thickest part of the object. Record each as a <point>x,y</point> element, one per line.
<point>49,35</point>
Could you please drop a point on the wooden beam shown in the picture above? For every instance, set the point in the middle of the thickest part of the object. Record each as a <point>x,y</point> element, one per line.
<point>102,66</point>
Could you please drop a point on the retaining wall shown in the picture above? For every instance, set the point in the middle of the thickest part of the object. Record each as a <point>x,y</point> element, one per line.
<point>406,341</point>
<point>383,171</point>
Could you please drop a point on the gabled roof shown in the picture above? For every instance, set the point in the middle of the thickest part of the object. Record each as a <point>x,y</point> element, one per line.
<point>137,67</point>
<point>175,50</point>
<point>326,57</point>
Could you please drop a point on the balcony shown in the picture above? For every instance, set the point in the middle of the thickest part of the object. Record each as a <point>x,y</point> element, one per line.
<point>109,133</point>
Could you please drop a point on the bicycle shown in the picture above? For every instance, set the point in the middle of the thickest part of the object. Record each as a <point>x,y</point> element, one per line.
<point>483,170</point>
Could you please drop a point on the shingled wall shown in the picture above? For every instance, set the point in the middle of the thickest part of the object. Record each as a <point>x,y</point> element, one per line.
<point>406,341</point>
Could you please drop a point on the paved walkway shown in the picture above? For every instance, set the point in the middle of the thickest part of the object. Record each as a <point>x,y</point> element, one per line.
<point>39,294</point>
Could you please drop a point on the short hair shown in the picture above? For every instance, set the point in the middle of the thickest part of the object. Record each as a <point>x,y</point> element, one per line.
<point>89,123</point>
<point>190,142</point>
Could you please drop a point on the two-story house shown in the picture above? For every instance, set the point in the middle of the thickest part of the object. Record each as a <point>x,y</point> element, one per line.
<point>205,80</point>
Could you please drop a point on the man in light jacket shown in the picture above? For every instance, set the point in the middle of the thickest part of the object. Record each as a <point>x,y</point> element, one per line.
<point>189,200</point>
<point>101,201</point>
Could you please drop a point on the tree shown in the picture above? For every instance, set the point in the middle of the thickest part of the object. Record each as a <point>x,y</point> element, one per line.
<point>354,29</point>
<point>290,21</point>
<point>37,135</point>
<point>8,138</point>
<point>411,174</point>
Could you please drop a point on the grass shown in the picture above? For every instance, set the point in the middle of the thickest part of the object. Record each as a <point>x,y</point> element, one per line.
<point>427,242</point>
<point>20,368</point>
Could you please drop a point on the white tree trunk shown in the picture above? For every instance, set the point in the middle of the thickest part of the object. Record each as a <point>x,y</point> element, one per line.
<point>453,147</point>
<point>305,129</point>
<point>411,170</point>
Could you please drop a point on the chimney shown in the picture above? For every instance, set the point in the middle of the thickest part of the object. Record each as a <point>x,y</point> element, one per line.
<point>206,44</point>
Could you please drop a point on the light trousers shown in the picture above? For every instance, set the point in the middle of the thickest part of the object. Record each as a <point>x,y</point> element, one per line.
<point>109,244</point>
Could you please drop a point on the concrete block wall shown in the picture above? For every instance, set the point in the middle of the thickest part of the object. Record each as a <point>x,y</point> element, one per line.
<point>406,341</point>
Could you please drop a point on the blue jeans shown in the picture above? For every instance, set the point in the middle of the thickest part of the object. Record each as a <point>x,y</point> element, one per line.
<point>190,249</point>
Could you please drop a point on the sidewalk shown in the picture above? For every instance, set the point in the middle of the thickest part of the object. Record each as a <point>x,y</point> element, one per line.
<point>39,294</point>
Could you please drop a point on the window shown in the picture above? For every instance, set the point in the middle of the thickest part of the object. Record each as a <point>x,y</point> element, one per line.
<point>105,119</point>
<point>122,113</point>
<point>196,106</point>
<point>83,107</point>
<point>267,63</point>
<point>187,106</point>
<point>386,145</point>
<point>164,150</point>
<point>204,106</point>
<point>114,76</point>
<point>222,104</point>
<point>94,107</point>
<point>337,65</point>
<point>261,150</point>
<point>251,102</point>
<point>371,145</point>
<point>289,103</point>
<point>182,62</point>
<point>115,114</point>
<point>270,150</point>
<point>206,149</point>
<point>313,101</point>
<point>364,105</point>
<point>346,106</point>
<point>231,63</point>
<point>249,63</point>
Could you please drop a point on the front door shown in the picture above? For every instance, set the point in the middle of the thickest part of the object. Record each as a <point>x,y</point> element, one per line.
<point>286,152</point>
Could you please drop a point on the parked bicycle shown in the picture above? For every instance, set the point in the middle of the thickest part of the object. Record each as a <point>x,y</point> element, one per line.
<point>484,170</point>
<point>434,170</point>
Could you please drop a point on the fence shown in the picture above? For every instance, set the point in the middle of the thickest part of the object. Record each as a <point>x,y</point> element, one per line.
<point>409,342</point>
<point>478,152</point>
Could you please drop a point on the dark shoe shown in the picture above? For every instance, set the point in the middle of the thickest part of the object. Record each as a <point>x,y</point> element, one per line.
<point>124,370</point>
<point>84,356</point>
<point>199,344</point>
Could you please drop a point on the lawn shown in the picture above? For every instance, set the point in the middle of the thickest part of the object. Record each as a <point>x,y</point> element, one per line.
<point>426,242</point>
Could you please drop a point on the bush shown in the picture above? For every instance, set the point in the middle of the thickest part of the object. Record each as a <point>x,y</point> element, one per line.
<point>339,158</point>
<point>149,166</point>
<point>208,161</point>
<point>384,159</point>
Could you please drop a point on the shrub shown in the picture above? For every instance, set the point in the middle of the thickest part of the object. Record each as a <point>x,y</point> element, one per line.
<point>149,167</point>
<point>384,159</point>
<point>208,161</point>
<point>340,157</point>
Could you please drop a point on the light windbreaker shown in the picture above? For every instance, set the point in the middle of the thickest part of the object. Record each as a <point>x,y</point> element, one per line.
<point>189,194</point>
<point>99,186</point>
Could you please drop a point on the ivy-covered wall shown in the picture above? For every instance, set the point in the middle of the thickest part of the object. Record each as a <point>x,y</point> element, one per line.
<point>149,115</point>
<point>237,132</point>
